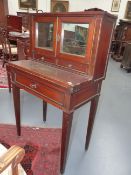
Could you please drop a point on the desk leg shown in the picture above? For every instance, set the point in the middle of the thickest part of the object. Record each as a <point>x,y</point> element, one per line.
<point>66,129</point>
<point>93,108</point>
<point>44,110</point>
<point>9,78</point>
<point>9,81</point>
<point>16,96</point>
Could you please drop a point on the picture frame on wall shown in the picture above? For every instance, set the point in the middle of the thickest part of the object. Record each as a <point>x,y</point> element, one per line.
<point>28,4</point>
<point>59,6</point>
<point>128,10</point>
<point>115,5</point>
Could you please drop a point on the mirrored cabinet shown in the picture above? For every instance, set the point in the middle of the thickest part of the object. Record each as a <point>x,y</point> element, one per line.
<point>71,40</point>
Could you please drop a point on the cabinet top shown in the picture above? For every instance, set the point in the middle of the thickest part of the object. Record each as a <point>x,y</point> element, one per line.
<point>78,13</point>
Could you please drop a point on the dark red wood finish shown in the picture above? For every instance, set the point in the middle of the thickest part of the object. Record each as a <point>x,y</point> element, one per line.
<point>3,12</point>
<point>64,80</point>
<point>14,23</point>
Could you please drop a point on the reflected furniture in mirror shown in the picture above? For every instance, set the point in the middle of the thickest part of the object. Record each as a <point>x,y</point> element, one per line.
<point>69,62</point>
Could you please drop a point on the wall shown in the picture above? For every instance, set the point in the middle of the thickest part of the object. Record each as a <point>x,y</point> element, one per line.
<point>74,5</point>
<point>14,6</point>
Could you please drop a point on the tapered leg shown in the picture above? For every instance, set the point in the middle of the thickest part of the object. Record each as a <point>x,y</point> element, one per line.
<point>66,129</point>
<point>9,81</point>
<point>93,108</point>
<point>16,96</point>
<point>44,110</point>
<point>9,77</point>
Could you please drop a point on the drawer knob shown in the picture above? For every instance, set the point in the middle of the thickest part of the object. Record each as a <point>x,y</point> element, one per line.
<point>33,86</point>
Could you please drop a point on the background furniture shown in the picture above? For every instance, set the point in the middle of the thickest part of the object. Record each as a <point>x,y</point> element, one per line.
<point>126,61</point>
<point>122,35</point>
<point>62,76</point>
<point>26,20</point>
<point>23,47</point>
<point>14,23</point>
<point>21,39</point>
<point>3,12</point>
<point>9,50</point>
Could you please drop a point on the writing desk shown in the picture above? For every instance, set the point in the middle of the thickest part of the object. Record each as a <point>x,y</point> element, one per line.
<point>58,87</point>
<point>65,76</point>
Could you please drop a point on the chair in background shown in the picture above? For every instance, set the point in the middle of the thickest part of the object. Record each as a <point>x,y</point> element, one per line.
<point>126,61</point>
<point>10,159</point>
<point>9,50</point>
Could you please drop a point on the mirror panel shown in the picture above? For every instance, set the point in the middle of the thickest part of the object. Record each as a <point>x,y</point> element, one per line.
<point>74,38</point>
<point>44,35</point>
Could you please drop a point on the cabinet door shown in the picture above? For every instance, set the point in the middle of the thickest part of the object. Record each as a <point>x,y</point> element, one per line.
<point>44,36</point>
<point>75,41</point>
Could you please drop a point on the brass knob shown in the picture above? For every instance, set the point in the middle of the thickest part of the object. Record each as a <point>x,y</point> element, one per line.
<point>33,86</point>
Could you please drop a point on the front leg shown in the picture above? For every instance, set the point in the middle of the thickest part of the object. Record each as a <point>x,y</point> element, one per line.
<point>16,97</point>
<point>93,108</point>
<point>44,110</point>
<point>66,129</point>
<point>9,81</point>
<point>8,77</point>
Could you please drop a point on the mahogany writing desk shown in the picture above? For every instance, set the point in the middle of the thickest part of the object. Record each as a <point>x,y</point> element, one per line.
<point>71,51</point>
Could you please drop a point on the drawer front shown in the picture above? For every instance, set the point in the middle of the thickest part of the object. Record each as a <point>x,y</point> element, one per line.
<point>50,92</point>
<point>84,95</point>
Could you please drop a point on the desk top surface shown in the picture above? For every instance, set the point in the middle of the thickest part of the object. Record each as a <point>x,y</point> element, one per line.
<point>50,72</point>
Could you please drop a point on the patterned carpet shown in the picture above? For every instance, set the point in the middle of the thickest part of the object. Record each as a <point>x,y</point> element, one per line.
<point>3,77</point>
<point>42,147</point>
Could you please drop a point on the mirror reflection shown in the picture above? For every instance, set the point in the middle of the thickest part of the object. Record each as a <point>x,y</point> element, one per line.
<point>44,35</point>
<point>74,38</point>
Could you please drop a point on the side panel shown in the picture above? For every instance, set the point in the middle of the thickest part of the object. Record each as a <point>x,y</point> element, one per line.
<point>103,48</point>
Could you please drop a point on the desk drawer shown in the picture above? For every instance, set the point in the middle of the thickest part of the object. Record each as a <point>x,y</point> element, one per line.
<point>49,91</point>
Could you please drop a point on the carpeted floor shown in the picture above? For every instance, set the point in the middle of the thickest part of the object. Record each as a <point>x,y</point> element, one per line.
<point>42,147</point>
<point>3,76</point>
